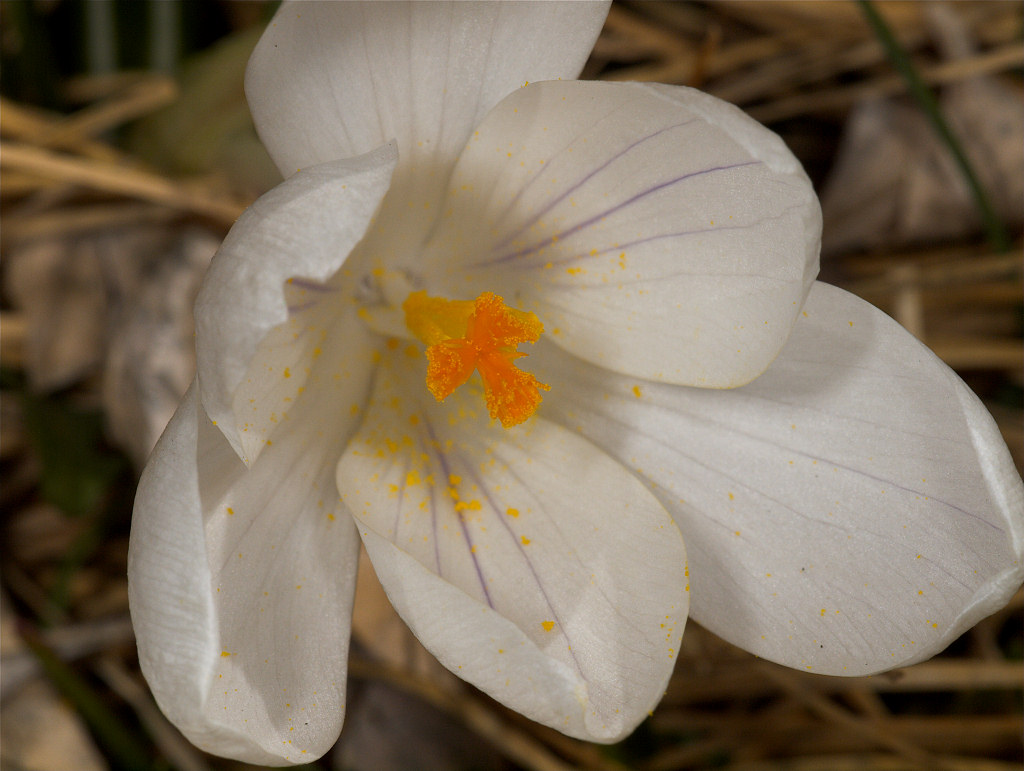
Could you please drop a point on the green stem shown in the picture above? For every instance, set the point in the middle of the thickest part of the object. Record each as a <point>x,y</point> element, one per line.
<point>995,231</point>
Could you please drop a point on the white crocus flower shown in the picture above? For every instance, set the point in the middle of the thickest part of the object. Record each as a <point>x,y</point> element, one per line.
<point>849,510</point>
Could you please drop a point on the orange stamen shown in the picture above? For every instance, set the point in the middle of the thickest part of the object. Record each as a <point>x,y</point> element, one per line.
<point>463,336</point>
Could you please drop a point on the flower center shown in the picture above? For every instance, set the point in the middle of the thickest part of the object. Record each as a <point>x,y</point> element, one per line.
<point>482,334</point>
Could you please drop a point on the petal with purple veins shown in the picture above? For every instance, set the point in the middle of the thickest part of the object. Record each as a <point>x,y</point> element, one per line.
<point>656,231</point>
<point>525,559</point>
<point>852,510</point>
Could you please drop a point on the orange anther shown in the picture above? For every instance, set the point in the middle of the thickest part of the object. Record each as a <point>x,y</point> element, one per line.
<point>481,335</point>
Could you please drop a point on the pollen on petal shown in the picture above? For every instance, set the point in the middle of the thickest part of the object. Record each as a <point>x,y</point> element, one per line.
<point>482,335</point>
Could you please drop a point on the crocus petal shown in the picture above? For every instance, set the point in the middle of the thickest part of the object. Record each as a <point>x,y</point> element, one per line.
<point>852,510</point>
<point>525,559</point>
<point>656,231</point>
<point>306,226</point>
<point>241,578</point>
<point>333,80</point>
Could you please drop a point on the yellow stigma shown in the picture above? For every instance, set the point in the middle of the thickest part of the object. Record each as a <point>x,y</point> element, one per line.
<point>482,334</point>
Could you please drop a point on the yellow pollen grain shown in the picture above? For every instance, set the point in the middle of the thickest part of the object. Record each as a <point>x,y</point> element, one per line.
<point>514,513</point>
<point>637,392</point>
<point>230,510</point>
<point>287,372</point>
<point>224,654</point>
<point>525,540</point>
<point>548,625</point>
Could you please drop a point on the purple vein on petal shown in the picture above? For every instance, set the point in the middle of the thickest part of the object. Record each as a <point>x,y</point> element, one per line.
<point>630,244</point>
<point>547,166</point>
<point>613,606</point>
<point>558,199</point>
<point>435,445</point>
<point>295,309</point>
<point>890,483</point>
<point>736,481</point>
<point>310,285</point>
<point>295,289</point>
<point>617,207</point>
<point>433,531</point>
<point>575,282</point>
<point>556,616</point>
<point>431,489</point>
<point>401,494</point>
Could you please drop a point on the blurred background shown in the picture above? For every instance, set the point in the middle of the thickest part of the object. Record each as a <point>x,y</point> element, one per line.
<point>126,152</point>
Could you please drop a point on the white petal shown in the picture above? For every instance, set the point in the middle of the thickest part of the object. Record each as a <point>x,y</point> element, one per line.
<point>656,231</point>
<point>530,563</point>
<point>854,509</point>
<point>306,226</point>
<point>240,584</point>
<point>333,80</point>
